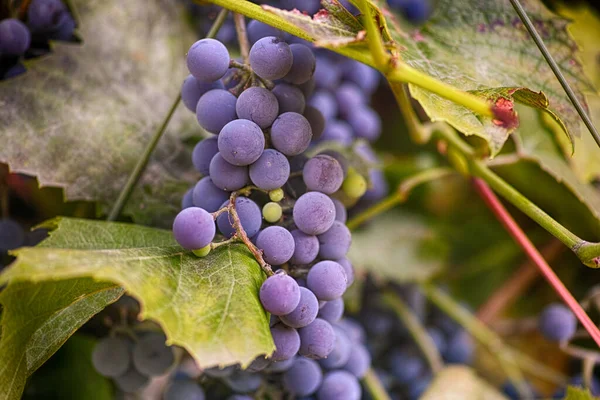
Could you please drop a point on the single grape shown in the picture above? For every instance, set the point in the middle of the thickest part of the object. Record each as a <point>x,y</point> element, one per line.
<point>270,171</point>
<point>314,213</point>
<point>277,244</point>
<point>305,312</point>
<point>290,98</point>
<point>279,294</point>
<point>276,195</point>
<point>291,134</point>
<point>241,142</point>
<point>416,11</point>
<point>208,60</point>
<point>327,280</point>
<point>14,37</point>
<point>12,235</point>
<point>272,212</point>
<point>183,390</point>
<point>278,367</point>
<point>332,311</point>
<point>287,342</point>
<point>248,213</point>
<point>326,103</point>
<point>355,331</point>
<point>335,243</point>
<point>379,186</point>
<point>557,323</point>
<point>243,381</point>
<point>306,248</point>
<point>359,361</point>
<point>308,87</point>
<point>258,105</point>
<point>303,65</point>
<point>217,372</point>
<point>215,109</point>
<point>366,123</point>
<point>340,211</point>
<point>151,356</point>
<point>194,228</point>
<point>131,381</point>
<point>438,339</point>
<point>258,30</point>
<point>44,16</point>
<point>323,173</point>
<point>361,75</point>
<point>207,196</point>
<point>203,153</point>
<point>418,387</point>
<point>64,28</point>
<point>460,348</point>
<point>271,58</point>
<point>33,238</point>
<point>309,7</point>
<point>111,356</point>
<point>316,120</point>
<point>339,385</point>
<point>192,90</point>
<point>303,378</point>
<point>406,365</point>
<point>327,74</point>
<point>341,351</point>
<point>227,176</point>
<point>338,131</point>
<point>340,158</point>
<point>355,185</point>
<point>317,339</point>
<point>350,98</point>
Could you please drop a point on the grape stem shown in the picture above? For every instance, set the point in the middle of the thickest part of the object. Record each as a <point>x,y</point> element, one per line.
<point>246,68</point>
<point>416,330</point>
<point>374,386</point>
<point>242,35</point>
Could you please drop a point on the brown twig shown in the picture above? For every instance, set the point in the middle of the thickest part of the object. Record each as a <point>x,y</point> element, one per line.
<point>240,28</point>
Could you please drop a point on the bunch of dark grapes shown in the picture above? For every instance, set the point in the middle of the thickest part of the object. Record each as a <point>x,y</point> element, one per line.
<point>44,20</point>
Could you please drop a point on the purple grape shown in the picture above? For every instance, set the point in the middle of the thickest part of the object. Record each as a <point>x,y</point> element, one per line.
<point>362,75</point>
<point>194,228</point>
<point>309,7</point>
<point>278,367</point>
<point>258,364</point>
<point>215,109</point>
<point>314,213</point>
<point>244,381</point>
<point>280,294</point>
<point>359,361</point>
<point>416,11</point>
<point>317,339</point>
<point>14,37</point>
<point>406,365</point>
<point>290,98</point>
<point>339,385</point>
<point>258,30</point>
<point>324,102</point>
<point>44,16</point>
<point>64,28</point>
<point>151,356</point>
<point>379,186</point>
<point>438,339</point>
<point>287,342</point>
<point>557,322</point>
<point>341,351</point>
<point>131,381</point>
<point>15,70</point>
<point>303,378</point>
<point>308,87</point>
<point>207,196</point>
<point>183,390</point>
<point>327,280</point>
<point>305,312</point>
<point>277,244</point>
<point>249,214</point>
<point>316,120</point>
<point>340,158</point>
<point>111,356</point>
<point>340,211</point>
<point>271,171</point>
<point>303,65</point>
<point>460,348</point>
<point>217,372</point>
<point>335,243</point>
<point>192,90</point>
<point>306,248</point>
<point>332,310</point>
<point>188,199</point>
<point>366,123</point>
<point>12,235</point>
<point>323,173</point>
<point>350,98</point>
<point>258,105</point>
<point>348,269</point>
<point>338,131</point>
<point>271,58</point>
<point>418,387</point>
<point>227,176</point>
<point>208,60</point>
<point>327,74</point>
<point>291,134</point>
<point>355,331</point>
<point>203,153</point>
<point>241,142</point>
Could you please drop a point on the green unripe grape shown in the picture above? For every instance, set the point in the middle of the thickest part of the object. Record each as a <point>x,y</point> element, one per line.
<point>355,185</point>
<point>276,195</point>
<point>272,212</point>
<point>203,252</point>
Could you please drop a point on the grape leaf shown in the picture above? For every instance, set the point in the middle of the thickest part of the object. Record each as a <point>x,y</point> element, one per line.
<point>460,383</point>
<point>81,116</point>
<point>209,306</point>
<point>399,248</point>
<point>577,393</point>
<point>52,311</point>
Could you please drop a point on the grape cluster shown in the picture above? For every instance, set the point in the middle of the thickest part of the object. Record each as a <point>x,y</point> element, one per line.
<point>45,20</point>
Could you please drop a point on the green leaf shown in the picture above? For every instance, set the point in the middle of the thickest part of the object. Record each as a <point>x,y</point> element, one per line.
<point>460,383</point>
<point>577,393</point>
<point>62,376</point>
<point>209,306</point>
<point>398,247</point>
<point>38,318</point>
<point>80,117</point>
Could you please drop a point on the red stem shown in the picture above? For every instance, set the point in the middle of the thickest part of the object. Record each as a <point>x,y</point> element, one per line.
<point>534,255</point>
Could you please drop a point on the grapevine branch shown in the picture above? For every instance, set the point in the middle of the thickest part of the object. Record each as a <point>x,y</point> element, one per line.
<point>374,386</point>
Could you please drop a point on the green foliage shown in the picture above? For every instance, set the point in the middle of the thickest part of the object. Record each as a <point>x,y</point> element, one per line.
<point>576,393</point>
<point>209,306</point>
<point>460,383</point>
